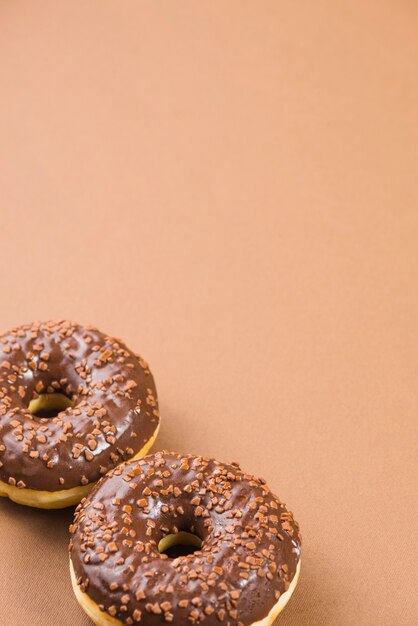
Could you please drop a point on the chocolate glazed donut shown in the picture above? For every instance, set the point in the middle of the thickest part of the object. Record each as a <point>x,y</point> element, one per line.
<point>247,546</point>
<point>73,404</point>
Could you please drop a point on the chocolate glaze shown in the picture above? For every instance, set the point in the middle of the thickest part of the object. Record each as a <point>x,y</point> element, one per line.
<point>249,554</point>
<point>114,410</point>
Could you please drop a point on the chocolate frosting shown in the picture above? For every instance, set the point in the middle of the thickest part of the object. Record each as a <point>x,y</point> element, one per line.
<point>249,553</point>
<point>114,410</point>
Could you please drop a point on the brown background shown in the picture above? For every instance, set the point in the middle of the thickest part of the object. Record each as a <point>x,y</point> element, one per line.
<point>232,188</point>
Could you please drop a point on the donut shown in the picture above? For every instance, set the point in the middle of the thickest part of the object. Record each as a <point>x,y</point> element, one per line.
<point>74,403</point>
<point>243,557</point>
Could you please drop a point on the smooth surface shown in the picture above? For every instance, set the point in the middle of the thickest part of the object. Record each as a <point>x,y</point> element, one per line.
<point>232,188</point>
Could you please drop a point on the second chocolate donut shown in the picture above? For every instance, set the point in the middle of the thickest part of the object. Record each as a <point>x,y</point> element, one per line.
<point>241,562</point>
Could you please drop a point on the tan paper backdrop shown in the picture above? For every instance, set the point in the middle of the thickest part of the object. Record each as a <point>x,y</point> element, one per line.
<point>232,188</point>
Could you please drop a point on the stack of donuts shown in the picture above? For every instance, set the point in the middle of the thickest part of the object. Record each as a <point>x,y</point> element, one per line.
<point>156,538</point>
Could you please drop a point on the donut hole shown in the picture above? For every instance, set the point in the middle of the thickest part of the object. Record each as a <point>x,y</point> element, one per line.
<point>49,404</point>
<point>179,544</point>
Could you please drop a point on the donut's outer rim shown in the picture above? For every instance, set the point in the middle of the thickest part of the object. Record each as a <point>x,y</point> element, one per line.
<point>64,497</point>
<point>101,618</point>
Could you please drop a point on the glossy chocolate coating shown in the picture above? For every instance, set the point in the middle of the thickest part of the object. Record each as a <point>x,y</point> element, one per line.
<point>249,553</point>
<point>114,410</point>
